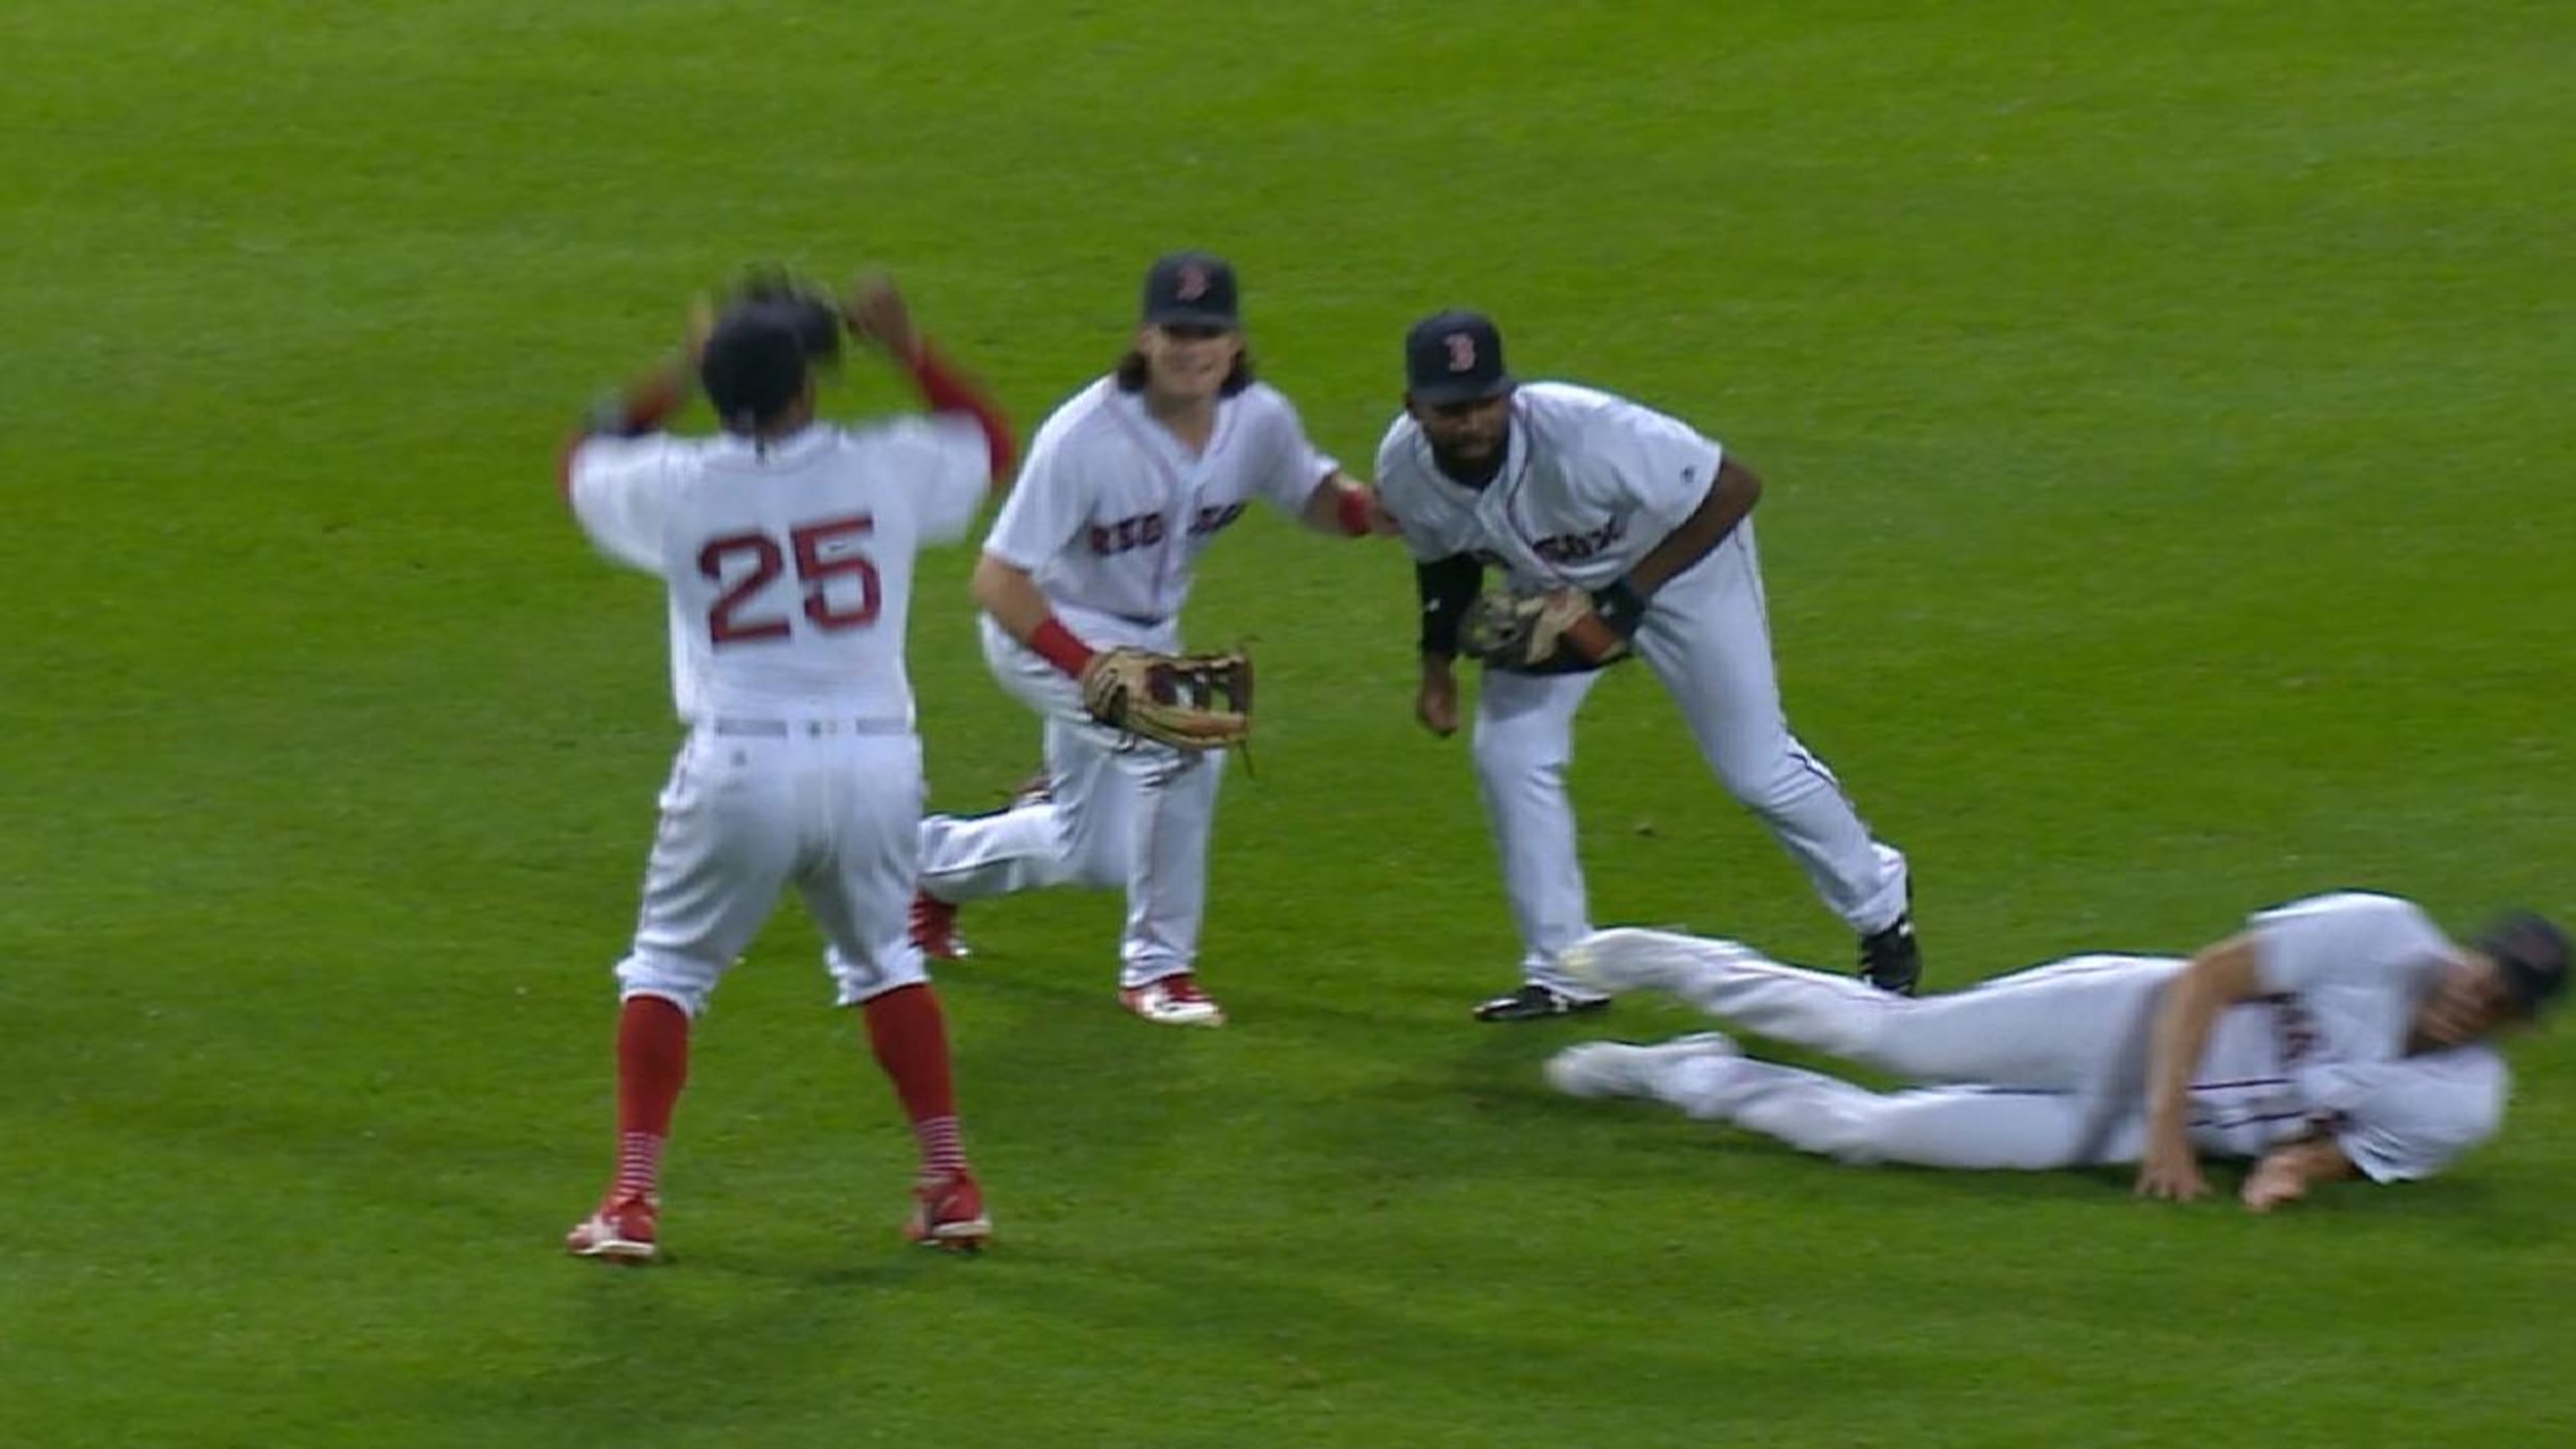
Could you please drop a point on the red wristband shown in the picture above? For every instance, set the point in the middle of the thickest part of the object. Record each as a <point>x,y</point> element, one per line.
<point>1056,645</point>
<point>1353,509</point>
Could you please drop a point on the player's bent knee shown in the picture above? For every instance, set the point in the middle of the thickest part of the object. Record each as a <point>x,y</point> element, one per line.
<point>684,984</point>
<point>856,982</point>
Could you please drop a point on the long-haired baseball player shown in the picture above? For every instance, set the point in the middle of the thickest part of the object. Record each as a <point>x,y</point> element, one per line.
<point>2339,1036</point>
<point>1126,485</point>
<point>786,545</point>
<point>1623,531</point>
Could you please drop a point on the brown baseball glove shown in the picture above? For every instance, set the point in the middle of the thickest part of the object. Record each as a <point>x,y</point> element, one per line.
<point>1187,701</point>
<point>1552,633</point>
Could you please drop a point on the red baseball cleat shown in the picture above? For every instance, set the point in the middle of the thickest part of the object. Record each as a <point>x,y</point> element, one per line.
<point>1173,1001</point>
<point>948,1214</point>
<point>934,928</point>
<point>622,1231</point>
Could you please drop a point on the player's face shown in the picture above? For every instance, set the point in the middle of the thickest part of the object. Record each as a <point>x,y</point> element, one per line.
<point>1465,437</point>
<point>2468,1001</point>
<point>1187,364</point>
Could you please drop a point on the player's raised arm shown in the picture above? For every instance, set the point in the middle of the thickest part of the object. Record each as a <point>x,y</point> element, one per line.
<point>2217,978</point>
<point>877,315</point>
<point>644,405</point>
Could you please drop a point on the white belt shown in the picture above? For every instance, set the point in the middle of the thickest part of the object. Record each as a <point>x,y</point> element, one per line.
<point>813,728</point>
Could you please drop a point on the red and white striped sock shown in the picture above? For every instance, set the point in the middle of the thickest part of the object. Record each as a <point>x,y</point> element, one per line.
<point>943,1150</point>
<point>639,1165</point>
<point>909,1035</point>
<point>652,1067</point>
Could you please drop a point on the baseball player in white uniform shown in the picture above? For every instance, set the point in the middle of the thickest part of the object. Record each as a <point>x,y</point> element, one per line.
<point>1565,487</point>
<point>1126,485</point>
<point>2337,1036</point>
<point>786,546</point>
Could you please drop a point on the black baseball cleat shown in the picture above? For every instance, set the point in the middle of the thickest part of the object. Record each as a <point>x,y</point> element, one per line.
<point>1534,1002</point>
<point>1890,959</point>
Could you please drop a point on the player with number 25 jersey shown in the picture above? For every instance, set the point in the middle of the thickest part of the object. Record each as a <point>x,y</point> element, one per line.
<point>787,548</point>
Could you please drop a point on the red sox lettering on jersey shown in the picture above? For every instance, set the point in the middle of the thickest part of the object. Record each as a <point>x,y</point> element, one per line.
<point>1112,513</point>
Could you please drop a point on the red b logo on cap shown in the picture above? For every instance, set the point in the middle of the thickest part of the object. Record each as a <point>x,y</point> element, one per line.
<point>1462,351</point>
<point>1193,283</point>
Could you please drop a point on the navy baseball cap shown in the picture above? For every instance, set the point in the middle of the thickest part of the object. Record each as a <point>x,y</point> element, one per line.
<point>2532,953</point>
<point>1455,357</point>
<point>1191,289</point>
<point>753,365</point>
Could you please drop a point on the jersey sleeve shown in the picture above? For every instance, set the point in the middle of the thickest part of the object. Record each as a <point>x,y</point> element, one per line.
<point>948,464</point>
<point>1407,494</point>
<point>1292,466</point>
<point>622,494</point>
<point>2352,938</point>
<point>1651,464</point>
<point>2411,1117</point>
<point>1047,507</point>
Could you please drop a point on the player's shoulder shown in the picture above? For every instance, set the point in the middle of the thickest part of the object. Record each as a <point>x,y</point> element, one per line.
<point>1261,398</point>
<point>1404,467</point>
<point>1086,414</point>
<point>1597,414</point>
<point>2353,907</point>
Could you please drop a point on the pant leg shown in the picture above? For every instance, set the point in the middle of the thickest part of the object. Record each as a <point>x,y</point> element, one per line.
<point>1524,740</point>
<point>721,854</point>
<point>863,803</point>
<point>1969,1128</point>
<point>1708,639</point>
<point>2079,1026</point>
<point>1082,834</point>
<point>1167,882</point>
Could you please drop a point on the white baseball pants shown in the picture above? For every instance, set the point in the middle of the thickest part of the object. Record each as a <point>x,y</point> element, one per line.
<point>1123,812</point>
<point>2040,1069</point>
<point>1708,639</point>
<point>832,805</point>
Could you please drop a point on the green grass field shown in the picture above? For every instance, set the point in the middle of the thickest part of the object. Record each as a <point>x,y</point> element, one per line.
<point>2164,407</point>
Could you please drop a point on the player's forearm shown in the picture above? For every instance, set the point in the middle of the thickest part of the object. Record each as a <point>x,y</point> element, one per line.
<point>1447,587</point>
<point>2185,1014</point>
<point>1731,496</point>
<point>1014,600</point>
<point>946,390</point>
<point>643,406</point>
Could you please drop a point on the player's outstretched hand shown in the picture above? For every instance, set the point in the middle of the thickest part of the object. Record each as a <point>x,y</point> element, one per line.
<point>2172,1173</point>
<point>878,315</point>
<point>1381,523</point>
<point>2273,1184</point>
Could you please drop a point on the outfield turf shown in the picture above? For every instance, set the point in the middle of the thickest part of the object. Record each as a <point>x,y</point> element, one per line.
<point>2164,409</point>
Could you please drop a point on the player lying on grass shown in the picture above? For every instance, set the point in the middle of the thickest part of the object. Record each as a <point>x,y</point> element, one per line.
<point>2337,1036</point>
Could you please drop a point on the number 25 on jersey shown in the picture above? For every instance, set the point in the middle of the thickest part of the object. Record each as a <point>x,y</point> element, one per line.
<point>839,584</point>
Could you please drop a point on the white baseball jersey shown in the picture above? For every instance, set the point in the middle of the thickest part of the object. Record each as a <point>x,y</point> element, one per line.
<point>2346,972</point>
<point>1589,483</point>
<point>1111,512</point>
<point>789,565</point>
